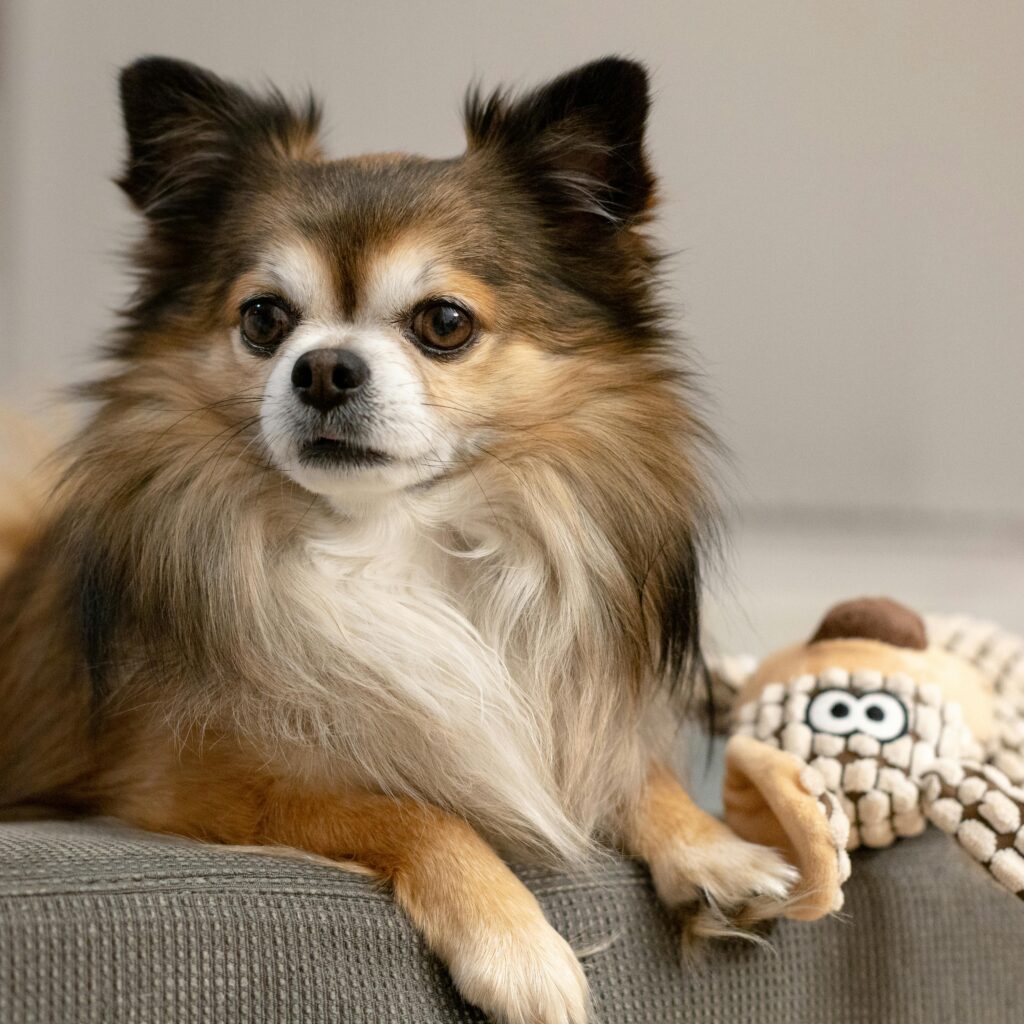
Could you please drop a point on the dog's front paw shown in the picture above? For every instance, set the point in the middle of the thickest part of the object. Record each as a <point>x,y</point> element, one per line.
<point>522,974</point>
<point>724,886</point>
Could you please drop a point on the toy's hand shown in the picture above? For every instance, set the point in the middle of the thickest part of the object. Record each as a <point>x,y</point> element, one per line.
<point>985,812</point>
<point>773,798</point>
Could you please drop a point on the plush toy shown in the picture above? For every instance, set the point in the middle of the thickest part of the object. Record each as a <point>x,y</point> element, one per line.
<point>871,729</point>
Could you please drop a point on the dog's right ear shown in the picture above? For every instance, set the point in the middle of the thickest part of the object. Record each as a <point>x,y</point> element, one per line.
<point>190,135</point>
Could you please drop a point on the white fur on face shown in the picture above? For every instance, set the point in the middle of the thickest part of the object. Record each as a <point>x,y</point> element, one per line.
<point>397,418</point>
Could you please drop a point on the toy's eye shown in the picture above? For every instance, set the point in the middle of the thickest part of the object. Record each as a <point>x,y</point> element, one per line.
<point>834,711</point>
<point>882,716</point>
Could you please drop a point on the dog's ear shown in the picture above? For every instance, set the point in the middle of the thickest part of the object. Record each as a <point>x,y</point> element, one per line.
<point>577,143</point>
<point>190,133</point>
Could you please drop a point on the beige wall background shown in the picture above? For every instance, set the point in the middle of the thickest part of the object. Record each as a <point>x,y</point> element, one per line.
<point>843,183</point>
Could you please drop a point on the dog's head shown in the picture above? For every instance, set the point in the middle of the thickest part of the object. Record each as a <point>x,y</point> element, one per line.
<point>473,341</point>
<point>379,322</point>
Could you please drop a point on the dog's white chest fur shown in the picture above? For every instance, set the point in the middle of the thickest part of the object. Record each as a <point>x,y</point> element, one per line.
<point>447,673</point>
<point>424,700</point>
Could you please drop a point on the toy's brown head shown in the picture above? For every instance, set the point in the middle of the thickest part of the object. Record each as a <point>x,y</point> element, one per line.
<point>874,618</point>
<point>878,635</point>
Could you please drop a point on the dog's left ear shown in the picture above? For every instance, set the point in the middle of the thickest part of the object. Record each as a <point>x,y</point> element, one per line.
<point>576,143</point>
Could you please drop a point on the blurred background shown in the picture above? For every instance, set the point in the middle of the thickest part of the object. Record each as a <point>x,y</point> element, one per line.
<point>843,186</point>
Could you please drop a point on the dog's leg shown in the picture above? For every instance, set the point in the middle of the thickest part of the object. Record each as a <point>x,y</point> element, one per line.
<point>471,909</point>
<point>699,865</point>
<point>473,912</point>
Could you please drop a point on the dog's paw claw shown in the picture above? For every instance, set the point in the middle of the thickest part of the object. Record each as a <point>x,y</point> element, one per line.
<point>725,889</point>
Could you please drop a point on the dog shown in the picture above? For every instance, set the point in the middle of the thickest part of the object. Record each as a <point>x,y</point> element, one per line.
<point>383,539</point>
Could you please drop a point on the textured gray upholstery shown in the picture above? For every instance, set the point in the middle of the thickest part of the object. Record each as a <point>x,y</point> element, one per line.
<point>102,925</point>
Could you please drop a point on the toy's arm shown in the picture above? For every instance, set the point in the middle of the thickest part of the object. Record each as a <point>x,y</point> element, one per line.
<point>773,798</point>
<point>984,811</point>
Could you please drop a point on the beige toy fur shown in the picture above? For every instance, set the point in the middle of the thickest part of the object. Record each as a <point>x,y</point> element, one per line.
<point>867,732</point>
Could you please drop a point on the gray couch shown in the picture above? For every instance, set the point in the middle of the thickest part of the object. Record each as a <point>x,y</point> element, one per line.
<point>103,925</point>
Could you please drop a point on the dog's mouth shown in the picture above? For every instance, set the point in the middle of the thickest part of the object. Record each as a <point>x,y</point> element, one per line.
<point>336,453</point>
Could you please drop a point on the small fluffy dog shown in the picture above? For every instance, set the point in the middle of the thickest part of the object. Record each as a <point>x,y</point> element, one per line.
<point>383,539</point>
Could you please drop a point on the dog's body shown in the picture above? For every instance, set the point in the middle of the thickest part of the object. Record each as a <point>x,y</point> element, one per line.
<point>384,539</point>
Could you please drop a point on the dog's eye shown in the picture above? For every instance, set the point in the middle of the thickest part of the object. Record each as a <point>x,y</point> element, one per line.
<point>442,326</point>
<point>265,323</point>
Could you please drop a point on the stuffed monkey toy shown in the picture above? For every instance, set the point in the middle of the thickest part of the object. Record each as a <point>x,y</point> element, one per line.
<point>876,726</point>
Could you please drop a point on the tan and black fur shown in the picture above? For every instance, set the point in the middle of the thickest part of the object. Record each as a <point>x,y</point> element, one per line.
<point>479,639</point>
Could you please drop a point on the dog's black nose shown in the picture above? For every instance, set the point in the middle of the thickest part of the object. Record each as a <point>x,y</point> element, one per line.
<point>326,377</point>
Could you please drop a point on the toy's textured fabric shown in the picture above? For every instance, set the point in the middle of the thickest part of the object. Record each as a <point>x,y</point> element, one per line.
<point>873,764</point>
<point>999,656</point>
<point>982,804</point>
<point>979,805</point>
